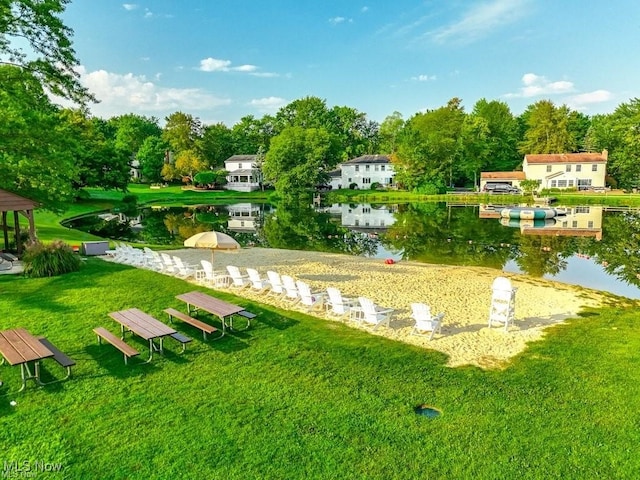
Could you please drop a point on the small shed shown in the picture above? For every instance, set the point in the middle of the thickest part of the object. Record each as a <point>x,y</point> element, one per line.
<point>10,202</point>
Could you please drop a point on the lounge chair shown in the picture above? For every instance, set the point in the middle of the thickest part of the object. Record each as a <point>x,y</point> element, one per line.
<point>258,283</point>
<point>275,281</point>
<point>371,315</point>
<point>237,279</point>
<point>337,305</point>
<point>209,277</point>
<point>181,269</point>
<point>503,299</point>
<point>308,298</point>
<point>167,262</point>
<point>290,289</point>
<point>426,324</point>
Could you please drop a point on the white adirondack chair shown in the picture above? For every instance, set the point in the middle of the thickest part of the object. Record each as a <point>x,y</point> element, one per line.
<point>426,324</point>
<point>308,298</point>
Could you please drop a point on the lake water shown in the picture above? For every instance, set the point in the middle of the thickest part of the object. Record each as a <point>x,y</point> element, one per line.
<point>590,246</point>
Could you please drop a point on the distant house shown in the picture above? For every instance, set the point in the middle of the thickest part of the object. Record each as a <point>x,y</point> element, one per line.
<point>244,175</point>
<point>366,170</point>
<point>567,170</point>
<point>556,170</point>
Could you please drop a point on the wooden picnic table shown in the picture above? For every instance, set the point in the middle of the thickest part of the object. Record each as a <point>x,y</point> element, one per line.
<point>19,347</point>
<point>145,326</point>
<point>221,309</point>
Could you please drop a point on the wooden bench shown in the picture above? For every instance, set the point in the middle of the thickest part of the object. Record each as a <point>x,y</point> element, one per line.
<point>120,344</point>
<point>248,315</point>
<point>183,339</point>
<point>63,360</point>
<point>205,327</point>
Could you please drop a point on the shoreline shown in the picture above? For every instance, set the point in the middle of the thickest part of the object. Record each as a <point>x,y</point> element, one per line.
<point>462,293</point>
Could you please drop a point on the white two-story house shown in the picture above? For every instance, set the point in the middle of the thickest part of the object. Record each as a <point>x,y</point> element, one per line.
<point>364,171</point>
<point>556,170</point>
<point>244,175</point>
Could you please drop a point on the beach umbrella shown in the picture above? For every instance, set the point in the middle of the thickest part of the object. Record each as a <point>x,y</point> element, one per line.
<point>212,240</point>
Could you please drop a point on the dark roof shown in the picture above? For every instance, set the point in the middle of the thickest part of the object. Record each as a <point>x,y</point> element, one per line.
<point>369,159</point>
<point>567,158</point>
<point>241,158</point>
<point>335,173</point>
<point>10,202</point>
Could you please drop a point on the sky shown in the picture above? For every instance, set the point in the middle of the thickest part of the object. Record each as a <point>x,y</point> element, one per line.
<point>221,60</point>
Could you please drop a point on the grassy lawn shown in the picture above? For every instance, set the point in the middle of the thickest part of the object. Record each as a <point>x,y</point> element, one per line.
<point>300,397</point>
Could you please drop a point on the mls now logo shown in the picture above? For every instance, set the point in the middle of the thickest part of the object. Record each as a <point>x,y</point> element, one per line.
<point>27,468</point>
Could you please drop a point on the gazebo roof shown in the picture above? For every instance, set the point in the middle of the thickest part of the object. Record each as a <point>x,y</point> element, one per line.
<point>10,202</point>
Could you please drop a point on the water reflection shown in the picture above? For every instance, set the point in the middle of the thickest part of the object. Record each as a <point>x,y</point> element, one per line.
<point>607,240</point>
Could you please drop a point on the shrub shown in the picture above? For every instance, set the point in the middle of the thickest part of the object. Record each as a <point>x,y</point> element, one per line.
<point>376,186</point>
<point>49,260</point>
<point>353,186</point>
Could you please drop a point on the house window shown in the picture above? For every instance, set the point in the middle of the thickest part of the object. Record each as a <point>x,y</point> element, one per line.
<point>574,224</point>
<point>570,183</point>
<point>349,180</point>
<point>594,167</point>
<point>366,168</point>
<point>356,223</point>
<point>590,224</point>
<point>366,180</point>
<point>548,168</point>
<point>562,183</point>
<point>366,210</point>
<point>388,181</point>
<point>376,168</point>
<point>565,224</point>
<point>582,210</point>
<point>357,168</point>
<point>568,168</point>
<point>578,168</point>
<point>239,166</point>
<point>554,184</point>
<point>382,168</point>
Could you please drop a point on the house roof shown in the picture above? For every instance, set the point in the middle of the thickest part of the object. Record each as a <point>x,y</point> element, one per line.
<point>368,159</point>
<point>10,202</point>
<point>567,158</point>
<point>241,158</point>
<point>335,173</point>
<point>502,176</point>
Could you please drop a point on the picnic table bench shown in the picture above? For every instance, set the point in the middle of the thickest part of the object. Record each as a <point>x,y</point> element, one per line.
<point>127,350</point>
<point>225,311</point>
<point>205,327</point>
<point>63,360</point>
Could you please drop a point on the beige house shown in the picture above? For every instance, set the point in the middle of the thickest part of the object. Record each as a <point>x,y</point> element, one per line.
<point>567,170</point>
<point>556,170</point>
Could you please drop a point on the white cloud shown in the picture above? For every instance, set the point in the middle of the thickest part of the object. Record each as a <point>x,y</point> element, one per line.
<point>129,93</point>
<point>480,20</point>
<point>364,9</point>
<point>536,85</point>
<point>580,101</point>
<point>216,65</point>
<point>424,78</point>
<point>268,104</point>
<point>129,6</point>
<point>337,20</point>
<point>265,74</point>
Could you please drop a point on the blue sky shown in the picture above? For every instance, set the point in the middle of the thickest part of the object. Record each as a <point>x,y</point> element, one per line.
<point>220,60</point>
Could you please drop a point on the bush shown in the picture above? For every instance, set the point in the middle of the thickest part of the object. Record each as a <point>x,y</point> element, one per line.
<point>49,260</point>
<point>353,186</point>
<point>376,186</point>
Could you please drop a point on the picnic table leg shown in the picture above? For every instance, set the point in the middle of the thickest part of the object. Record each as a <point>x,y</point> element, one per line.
<point>23,373</point>
<point>151,348</point>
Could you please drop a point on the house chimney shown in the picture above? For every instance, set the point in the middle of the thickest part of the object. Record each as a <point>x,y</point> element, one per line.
<point>605,154</point>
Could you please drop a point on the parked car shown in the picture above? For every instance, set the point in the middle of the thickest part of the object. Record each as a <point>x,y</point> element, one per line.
<point>501,188</point>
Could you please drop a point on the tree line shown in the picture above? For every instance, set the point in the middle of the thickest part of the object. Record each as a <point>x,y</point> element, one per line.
<point>50,153</point>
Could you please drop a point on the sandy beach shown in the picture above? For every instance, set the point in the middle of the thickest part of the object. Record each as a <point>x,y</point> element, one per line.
<point>462,293</point>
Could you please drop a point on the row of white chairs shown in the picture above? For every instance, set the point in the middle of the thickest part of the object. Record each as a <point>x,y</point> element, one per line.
<point>361,309</point>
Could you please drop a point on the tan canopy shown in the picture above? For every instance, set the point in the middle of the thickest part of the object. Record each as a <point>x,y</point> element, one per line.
<point>10,202</point>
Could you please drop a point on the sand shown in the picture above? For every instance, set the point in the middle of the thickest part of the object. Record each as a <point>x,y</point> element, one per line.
<point>462,293</point>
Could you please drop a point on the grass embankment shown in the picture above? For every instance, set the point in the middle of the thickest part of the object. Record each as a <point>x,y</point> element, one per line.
<point>300,397</point>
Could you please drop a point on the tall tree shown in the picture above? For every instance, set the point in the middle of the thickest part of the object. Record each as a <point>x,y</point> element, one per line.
<point>502,135</point>
<point>216,144</point>
<point>182,132</point>
<point>547,129</point>
<point>131,130</point>
<point>35,144</point>
<point>307,112</point>
<point>151,156</point>
<point>390,129</point>
<point>299,157</point>
<point>36,24</point>
<point>251,134</point>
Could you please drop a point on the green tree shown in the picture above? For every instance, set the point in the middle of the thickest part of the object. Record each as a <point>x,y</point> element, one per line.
<point>151,156</point>
<point>473,147</point>
<point>502,135</point>
<point>131,131</point>
<point>188,163</point>
<point>182,132</point>
<point>250,134</point>
<point>34,38</point>
<point>307,112</point>
<point>390,129</point>
<point>299,158</point>
<point>547,129</point>
<point>216,144</point>
<point>36,145</point>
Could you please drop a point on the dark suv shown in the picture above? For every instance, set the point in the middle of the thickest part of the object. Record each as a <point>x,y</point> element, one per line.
<point>501,188</point>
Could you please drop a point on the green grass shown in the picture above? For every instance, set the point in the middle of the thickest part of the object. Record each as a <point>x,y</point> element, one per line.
<point>300,397</point>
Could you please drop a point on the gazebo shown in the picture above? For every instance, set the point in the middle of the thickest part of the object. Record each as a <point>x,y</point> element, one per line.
<point>10,202</point>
